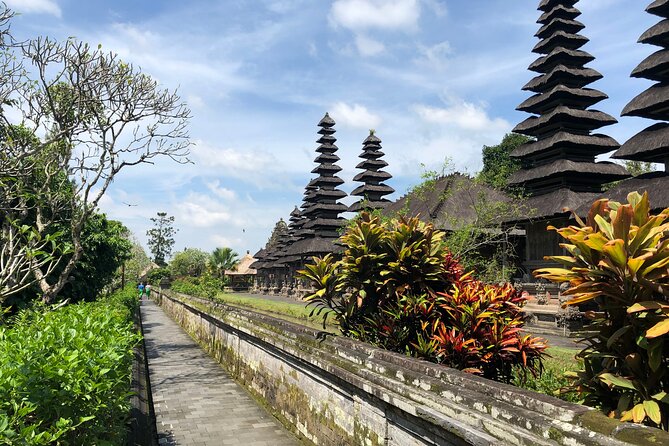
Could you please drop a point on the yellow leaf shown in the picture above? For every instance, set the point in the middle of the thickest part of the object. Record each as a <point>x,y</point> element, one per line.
<point>659,329</point>
<point>638,413</point>
<point>615,250</point>
<point>653,411</point>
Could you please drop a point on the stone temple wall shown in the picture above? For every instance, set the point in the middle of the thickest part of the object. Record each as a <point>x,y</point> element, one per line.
<point>335,391</point>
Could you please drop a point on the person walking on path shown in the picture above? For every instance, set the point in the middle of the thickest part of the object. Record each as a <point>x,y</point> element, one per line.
<point>140,288</point>
<point>147,290</point>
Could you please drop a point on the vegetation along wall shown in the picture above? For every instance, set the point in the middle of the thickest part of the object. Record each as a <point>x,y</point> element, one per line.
<point>336,391</point>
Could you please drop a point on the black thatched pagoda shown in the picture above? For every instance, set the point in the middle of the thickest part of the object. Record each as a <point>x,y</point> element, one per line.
<point>265,277</point>
<point>651,144</point>
<point>372,190</point>
<point>313,230</point>
<point>558,168</point>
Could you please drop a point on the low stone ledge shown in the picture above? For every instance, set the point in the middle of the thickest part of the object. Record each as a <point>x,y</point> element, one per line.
<point>335,390</point>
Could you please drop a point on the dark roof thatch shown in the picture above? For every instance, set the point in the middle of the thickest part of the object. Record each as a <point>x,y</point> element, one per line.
<point>547,5</point>
<point>559,56</point>
<point>651,144</point>
<point>655,183</point>
<point>605,172</point>
<point>561,95</point>
<point>659,8</point>
<point>652,103</point>
<point>560,11</point>
<point>568,143</point>
<point>561,74</point>
<point>657,34</point>
<point>556,203</point>
<point>448,202</point>
<point>564,117</point>
<point>560,39</point>
<point>559,24</point>
<point>654,67</point>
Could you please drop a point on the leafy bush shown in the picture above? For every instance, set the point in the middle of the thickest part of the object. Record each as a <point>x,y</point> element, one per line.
<point>620,260</point>
<point>65,374</point>
<point>398,287</point>
<point>205,286</point>
<point>155,275</point>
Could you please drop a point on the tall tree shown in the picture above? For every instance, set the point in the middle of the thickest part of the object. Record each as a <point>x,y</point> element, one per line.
<point>191,262</point>
<point>497,164</point>
<point>223,259</point>
<point>161,237</point>
<point>98,114</point>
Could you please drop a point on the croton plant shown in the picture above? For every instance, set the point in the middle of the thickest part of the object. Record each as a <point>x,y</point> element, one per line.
<point>618,259</point>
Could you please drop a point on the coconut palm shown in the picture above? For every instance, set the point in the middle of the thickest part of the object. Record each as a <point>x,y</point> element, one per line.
<point>223,259</point>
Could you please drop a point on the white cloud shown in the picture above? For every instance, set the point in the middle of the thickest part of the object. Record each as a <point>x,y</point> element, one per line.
<point>375,14</point>
<point>463,115</point>
<point>35,6</point>
<point>369,47</point>
<point>435,56</point>
<point>222,192</point>
<point>356,116</point>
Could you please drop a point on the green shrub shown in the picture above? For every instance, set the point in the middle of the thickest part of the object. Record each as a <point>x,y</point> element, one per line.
<point>398,287</point>
<point>205,286</point>
<point>619,259</point>
<point>65,375</point>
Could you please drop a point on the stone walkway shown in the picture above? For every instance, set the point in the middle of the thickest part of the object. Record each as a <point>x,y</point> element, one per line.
<point>196,402</point>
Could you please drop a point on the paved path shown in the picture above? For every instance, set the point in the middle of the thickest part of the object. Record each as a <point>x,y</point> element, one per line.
<point>196,402</point>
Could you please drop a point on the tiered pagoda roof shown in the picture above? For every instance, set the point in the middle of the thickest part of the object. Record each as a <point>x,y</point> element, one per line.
<point>372,190</point>
<point>652,144</point>
<point>319,223</point>
<point>558,167</point>
<point>323,214</point>
<point>268,255</point>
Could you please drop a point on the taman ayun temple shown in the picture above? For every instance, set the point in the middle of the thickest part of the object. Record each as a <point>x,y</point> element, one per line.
<point>313,231</point>
<point>559,168</point>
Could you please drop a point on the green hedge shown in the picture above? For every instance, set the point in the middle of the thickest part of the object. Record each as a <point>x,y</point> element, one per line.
<point>65,375</point>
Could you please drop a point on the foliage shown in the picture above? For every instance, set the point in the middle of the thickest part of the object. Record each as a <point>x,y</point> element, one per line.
<point>636,168</point>
<point>558,363</point>
<point>161,238</point>
<point>95,116</point>
<point>223,259</point>
<point>498,165</point>
<point>189,262</point>
<point>206,286</point>
<point>106,248</point>
<point>398,287</point>
<point>619,259</point>
<point>155,275</point>
<point>477,235</point>
<point>65,374</point>
<point>138,262</point>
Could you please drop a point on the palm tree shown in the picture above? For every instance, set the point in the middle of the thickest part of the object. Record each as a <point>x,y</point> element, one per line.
<point>223,259</point>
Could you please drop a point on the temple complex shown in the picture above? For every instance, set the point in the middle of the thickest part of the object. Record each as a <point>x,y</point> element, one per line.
<point>558,167</point>
<point>651,144</point>
<point>314,230</point>
<point>372,191</point>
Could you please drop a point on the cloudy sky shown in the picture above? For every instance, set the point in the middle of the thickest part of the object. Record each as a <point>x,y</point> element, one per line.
<point>437,79</point>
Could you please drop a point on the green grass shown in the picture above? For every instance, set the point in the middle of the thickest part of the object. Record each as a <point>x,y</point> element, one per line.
<point>292,312</point>
<point>552,379</point>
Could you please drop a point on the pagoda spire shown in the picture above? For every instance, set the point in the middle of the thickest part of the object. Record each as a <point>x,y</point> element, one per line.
<point>373,190</point>
<point>561,159</point>
<point>652,144</point>
<point>323,212</point>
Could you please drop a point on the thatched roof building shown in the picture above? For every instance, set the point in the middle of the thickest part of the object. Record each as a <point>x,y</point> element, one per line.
<point>558,167</point>
<point>651,144</point>
<point>372,191</point>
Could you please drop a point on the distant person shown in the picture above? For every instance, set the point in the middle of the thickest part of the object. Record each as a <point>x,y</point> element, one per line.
<point>147,290</point>
<point>140,287</point>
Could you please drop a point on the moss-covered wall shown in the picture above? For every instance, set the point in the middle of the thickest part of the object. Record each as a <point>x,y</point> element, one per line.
<point>342,392</point>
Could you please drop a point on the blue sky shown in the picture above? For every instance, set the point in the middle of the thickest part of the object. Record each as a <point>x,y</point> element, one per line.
<point>437,79</point>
